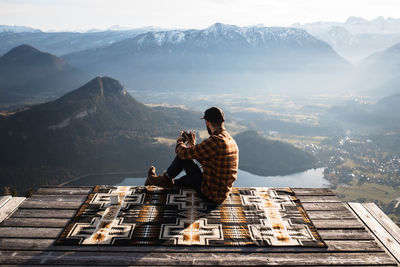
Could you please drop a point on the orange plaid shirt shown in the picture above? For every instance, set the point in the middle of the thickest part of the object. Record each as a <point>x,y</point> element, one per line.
<point>219,158</point>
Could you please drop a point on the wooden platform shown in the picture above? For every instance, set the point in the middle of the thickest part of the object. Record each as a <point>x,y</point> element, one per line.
<point>8,205</point>
<point>26,238</point>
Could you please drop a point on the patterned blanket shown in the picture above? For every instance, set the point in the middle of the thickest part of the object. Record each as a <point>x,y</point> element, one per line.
<point>139,215</point>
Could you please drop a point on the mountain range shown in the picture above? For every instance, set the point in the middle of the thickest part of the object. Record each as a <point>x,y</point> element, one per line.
<point>17,29</point>
<point>220,57</point>
<point>61,43</point>
<point>28,75</point>
<point>356,38</point>
<point>269,43</point>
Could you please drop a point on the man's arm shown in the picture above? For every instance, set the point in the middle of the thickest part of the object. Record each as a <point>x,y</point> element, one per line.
<point>203,150</point>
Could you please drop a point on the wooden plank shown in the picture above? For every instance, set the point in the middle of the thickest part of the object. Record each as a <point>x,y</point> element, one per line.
<point>325,206</point>
<point>378,230</point>
<point>43,213</point>
<point>63,191</point>
<point>330,215</point>
<point>313,191</point>
<point>47,244</point>
<point>197,259</point>
<point>66,186</point>
<point>29,232</point>
<point>73,198</point>
<point>318,199</point>
<point>28,204</point>
<point>345,234</point>
<point>384,220</point>
<point>3,200</point>
<point>338,224</point>
<point>35,222</point>
<point>9,207</point>
<point>354,245</point>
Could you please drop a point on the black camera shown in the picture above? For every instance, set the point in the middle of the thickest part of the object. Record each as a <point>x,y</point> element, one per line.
<point>186,135</point>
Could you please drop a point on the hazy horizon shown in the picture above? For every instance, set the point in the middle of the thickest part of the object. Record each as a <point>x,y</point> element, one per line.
<point>117,27</point>
<point>45,14</point>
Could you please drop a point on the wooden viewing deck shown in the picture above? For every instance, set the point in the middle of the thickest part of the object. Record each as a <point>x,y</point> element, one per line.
<point>356,235</point>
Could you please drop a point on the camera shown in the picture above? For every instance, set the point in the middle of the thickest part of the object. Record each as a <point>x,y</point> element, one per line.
<point>186,135</point>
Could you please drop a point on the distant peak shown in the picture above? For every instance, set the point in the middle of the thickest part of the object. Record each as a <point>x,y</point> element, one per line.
<point>104,86</point>
<point>218,26</point>
<point>26,47</point>
<point>355,20</point>
<point>17,29</point>
<point>25,55</point>
<point>380,18</point>
<point>23,50</point>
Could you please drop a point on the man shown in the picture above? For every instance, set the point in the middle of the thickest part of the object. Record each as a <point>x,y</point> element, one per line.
<point>218,156</point>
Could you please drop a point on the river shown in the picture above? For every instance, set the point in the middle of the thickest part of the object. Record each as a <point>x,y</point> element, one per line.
<point>309,178</point>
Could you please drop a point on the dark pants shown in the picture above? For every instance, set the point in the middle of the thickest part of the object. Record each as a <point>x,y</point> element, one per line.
<point>193,176</point>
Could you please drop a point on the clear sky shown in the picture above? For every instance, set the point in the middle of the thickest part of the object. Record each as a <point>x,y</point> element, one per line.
<point>101,14</point>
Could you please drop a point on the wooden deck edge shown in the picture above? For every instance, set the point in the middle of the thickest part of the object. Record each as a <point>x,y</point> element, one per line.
<point>4,200</point>
<point>384,220</point>
<point>10,207</point>
<point>378,227</point>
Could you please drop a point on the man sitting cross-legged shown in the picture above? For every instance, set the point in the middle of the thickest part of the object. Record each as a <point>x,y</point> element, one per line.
<point>218,156</point>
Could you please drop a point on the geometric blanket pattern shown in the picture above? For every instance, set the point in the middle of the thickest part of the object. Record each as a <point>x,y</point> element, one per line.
<point>150,215</point>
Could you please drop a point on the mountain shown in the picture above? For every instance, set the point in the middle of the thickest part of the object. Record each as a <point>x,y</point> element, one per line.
<point>389,105</point>
<point>367,118</point>
<point>96,128</point>
<point>261,156</point>
<point>379,74</point>
<point>29,75</point>
<point>388,110</point>
<point>218,57</point>
<point>17,29</point>
<point>61,43</point>
<point>228,40</point>
<point>356,38</point>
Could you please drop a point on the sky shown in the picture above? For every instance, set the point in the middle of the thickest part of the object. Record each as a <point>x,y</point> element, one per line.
<point>101,14</point>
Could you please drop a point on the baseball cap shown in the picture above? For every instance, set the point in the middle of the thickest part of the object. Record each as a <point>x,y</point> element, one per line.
<point>214,114</point>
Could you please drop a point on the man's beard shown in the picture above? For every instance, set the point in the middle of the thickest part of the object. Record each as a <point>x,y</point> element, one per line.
<point>209,130</point>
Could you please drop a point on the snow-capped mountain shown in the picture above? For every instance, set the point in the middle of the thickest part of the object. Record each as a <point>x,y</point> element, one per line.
<point>251,45</point>
<point>356,38</point>
<point>120,28</point>
<point>189,58</point>
<point>356,25</point>
<point>230,35</point>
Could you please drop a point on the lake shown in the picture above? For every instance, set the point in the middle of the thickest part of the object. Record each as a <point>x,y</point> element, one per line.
<point>309,178</point>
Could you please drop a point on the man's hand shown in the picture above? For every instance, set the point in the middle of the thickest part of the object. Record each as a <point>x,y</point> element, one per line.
<point>189,137</point>
<point>180,137</point>
<point>192,139</point>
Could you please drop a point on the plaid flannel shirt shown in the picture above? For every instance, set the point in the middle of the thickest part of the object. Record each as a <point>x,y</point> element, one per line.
<point>219,157</point>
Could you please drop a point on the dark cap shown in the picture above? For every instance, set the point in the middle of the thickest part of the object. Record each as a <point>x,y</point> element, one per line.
<point>214,114</point>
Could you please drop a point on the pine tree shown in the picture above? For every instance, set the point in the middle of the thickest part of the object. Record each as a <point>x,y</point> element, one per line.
<point>7,190</point>
<point>14,192</point>
<point>29,193</point>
